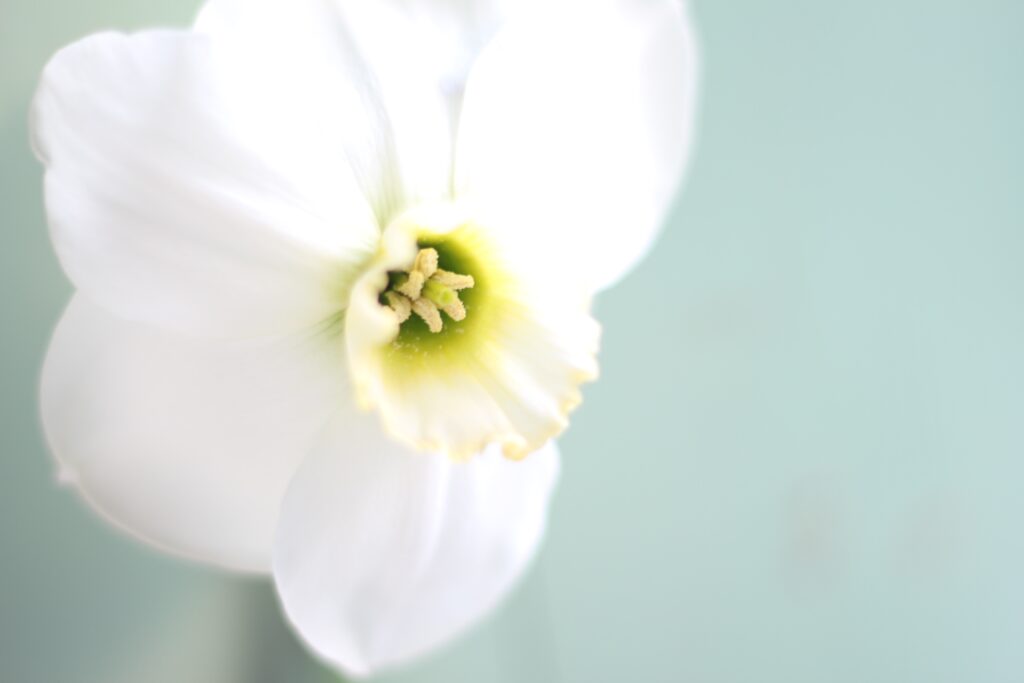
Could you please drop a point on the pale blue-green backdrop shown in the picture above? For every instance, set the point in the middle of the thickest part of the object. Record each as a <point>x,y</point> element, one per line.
<point>802,465</point>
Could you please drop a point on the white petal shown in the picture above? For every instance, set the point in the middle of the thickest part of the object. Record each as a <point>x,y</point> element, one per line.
<point>430,45</point>
<point>443,37</point>
<point>577,130</point>
<point>164,209</point>
<point>187,444</point>
<point>367,98</point>
<point>384,554</point>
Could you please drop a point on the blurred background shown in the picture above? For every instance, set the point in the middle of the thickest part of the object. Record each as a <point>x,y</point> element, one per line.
<point>806,469</point>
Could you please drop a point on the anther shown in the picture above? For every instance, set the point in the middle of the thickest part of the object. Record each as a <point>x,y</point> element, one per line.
<point>411,284</point>
<point>426,262</point>
<point>426,309</point>
<point>400,304</point>
<point>455,310</point>
<point>453,280</point>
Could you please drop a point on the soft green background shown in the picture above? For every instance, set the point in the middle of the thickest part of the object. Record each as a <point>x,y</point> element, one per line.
<point>801,466</point>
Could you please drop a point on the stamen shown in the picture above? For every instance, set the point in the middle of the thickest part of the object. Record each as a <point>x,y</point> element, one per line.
<point>428,311</point>
<point>426,290</point>
<point>411,284</point>
<point>453,280</point>
<point>426,262</point>
<point>400,304</point>
<point>455,310</point>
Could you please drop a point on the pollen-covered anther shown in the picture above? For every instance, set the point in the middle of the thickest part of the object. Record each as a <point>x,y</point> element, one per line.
<point>426,262</point>
<point>411,284</point>
<point>400,304</point>
<point>455,310</point>
<point>453,280</point>
<point>426,309</point>
<point>426,290</point>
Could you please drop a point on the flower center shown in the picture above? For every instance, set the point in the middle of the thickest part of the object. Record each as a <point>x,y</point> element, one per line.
<point>436,295</point>
<point>426,291</point>
<point>457,339</point>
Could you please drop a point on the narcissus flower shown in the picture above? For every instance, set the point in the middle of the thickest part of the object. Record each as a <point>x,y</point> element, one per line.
<point>334,262</point>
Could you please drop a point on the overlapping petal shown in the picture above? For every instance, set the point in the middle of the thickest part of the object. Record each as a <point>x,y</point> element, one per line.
<point>444,36</point>
<point>304,67</point>
<point>166,207</point>
<point>576,129</point>
<point>384,553</point>
<point>186,443</point>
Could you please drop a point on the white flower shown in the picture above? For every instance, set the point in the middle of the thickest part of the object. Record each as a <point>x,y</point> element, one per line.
<point>300,206</point>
